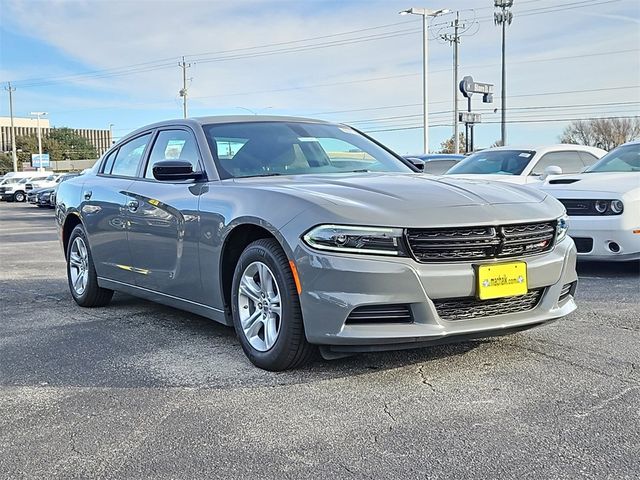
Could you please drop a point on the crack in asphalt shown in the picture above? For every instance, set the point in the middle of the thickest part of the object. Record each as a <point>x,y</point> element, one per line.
<point>424,378</point>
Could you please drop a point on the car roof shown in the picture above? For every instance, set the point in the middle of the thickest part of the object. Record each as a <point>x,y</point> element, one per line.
<point>220,119</point>
<point>545,148</point>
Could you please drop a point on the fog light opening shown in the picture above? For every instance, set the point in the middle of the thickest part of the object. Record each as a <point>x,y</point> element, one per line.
<point>614,247</point>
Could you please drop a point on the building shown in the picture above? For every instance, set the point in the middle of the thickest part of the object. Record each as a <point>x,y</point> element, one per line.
<point>100,139</point>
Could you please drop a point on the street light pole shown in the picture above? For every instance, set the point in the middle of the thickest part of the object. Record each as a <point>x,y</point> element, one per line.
<point>503,17</point>
<point>38,115</point>
<point>425,13</point>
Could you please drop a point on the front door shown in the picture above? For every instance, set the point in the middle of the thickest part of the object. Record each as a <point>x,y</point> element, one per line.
<point>163,222</point>
<point>104,210</point>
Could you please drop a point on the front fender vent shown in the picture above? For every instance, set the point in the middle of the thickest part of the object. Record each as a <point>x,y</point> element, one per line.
<point>380,314</point>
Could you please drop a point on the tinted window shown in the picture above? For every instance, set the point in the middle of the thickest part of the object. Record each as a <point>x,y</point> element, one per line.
<point>497,162</point>
<point>129,156</point>
<point>108,163</point>
<point>621,159</point>
<point>588,158</point>
<point>295,148</point>
<point>173,145</point>
<point>569,162</point>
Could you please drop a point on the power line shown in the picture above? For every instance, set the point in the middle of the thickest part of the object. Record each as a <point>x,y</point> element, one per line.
<point>508,121</point>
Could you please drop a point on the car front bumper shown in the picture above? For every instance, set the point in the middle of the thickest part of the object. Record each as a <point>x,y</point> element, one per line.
<point>608,238</point>
<point>334,285</point>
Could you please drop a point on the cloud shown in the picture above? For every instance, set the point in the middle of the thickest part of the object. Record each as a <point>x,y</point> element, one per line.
<point>110,34</point>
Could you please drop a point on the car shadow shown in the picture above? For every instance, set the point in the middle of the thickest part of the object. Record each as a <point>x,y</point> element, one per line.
<point>46,339</point>
<point>608,269</point>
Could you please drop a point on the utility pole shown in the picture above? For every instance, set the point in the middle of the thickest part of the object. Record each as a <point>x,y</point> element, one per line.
<point>503,17</point>
<point>454,39</point>
<point>14,154</point>
<point>183,91</point>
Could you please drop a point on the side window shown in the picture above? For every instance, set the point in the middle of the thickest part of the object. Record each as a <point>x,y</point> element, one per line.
<point>129,156</point>
<point>588,159</point>
<point>173,145</point>
<point>570,162</point>
<point>108,163</point>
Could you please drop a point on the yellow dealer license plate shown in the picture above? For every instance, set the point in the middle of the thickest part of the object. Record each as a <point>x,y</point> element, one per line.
<point>502,280</point>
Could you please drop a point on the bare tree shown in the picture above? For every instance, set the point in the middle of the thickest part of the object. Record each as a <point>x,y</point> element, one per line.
<point>606,133</point>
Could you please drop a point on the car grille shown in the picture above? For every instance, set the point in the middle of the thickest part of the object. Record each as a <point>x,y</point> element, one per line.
<point>478,243</point>
<point>568,289</point>
<point>467,308</point>
<point>583,244</point>
<point>28,186</point>
<point>380,314</point>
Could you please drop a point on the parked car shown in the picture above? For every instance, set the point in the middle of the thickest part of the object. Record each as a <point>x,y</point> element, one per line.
<point>603,205</point>
<point>302,233</point>
<point>526,165</point>
<point>14,188</point>
<point>48,181</point>
<point>42,197</point>
<point>435,163</point>
<point>20,175</point>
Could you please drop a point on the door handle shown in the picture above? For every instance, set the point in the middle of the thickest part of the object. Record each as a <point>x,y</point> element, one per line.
<point>87,195</point>
<point>132,206</point>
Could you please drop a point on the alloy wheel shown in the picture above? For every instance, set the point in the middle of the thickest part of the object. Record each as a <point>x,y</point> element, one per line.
<point>79,265</point>
<point>259,306</point>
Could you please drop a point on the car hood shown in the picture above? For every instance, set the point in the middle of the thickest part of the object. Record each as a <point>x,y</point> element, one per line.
<point>411,199</point>
<point>398,189</point>
<point>613,182</point>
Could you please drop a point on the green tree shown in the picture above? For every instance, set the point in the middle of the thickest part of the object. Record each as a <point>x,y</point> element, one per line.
<point>60,144</point>
<point>6,163</point>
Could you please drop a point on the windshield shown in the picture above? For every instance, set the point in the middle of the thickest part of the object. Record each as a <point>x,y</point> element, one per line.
<point>497,162</point>
<point>294,148</point>
<point>621,159</point>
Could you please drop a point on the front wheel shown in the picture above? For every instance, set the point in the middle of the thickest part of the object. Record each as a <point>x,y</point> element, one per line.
<point>19,197</point>
<point>266,308</point>
<point>81,273</point>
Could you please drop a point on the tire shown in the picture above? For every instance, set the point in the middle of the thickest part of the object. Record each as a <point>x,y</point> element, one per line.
<point>290,348</point>
<point>19,196</point>
<point>90,295</point>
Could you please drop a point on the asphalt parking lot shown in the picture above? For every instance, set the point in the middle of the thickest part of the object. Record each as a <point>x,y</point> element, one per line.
<point>138,390</point>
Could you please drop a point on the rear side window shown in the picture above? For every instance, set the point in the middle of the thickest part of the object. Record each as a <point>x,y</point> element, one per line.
<point>108,163</point>
<point>588,158</point>
<point>129,156</point>
<point>570,162</point>
<point>173,145</point>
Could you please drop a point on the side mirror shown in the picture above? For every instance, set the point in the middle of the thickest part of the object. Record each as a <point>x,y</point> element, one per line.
<point>175,170</point>
<point>416,162</point>
<point>551,170</point>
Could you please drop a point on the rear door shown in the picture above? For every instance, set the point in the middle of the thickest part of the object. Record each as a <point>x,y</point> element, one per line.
<point>104,209</point>
<point>164,226</point>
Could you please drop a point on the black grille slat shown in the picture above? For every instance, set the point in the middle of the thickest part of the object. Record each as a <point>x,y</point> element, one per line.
<point>468,308</point>
<point>380,314</point>
<point>477,243</point>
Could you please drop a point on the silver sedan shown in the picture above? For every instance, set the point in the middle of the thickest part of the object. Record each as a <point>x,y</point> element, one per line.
<point>306,235</point>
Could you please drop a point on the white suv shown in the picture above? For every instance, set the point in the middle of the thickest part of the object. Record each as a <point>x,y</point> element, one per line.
<point>14,189</point>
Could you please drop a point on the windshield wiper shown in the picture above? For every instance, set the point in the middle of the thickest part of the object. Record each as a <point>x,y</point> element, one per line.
<point>273,174</point>
<point>364,170</point>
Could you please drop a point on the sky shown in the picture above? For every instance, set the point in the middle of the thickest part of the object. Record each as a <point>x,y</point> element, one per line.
<point>93,63</point>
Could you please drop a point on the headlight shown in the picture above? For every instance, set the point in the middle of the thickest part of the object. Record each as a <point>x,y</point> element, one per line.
<point>617,206</point>
<point>561,228</point>
<point>350,239</point>
<point>601,206</point>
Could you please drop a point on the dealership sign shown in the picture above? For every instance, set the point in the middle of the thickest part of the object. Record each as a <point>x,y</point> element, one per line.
<point>41,160</point>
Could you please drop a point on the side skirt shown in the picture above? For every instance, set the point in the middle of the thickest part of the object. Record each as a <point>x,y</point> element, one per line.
<point>169,300</point>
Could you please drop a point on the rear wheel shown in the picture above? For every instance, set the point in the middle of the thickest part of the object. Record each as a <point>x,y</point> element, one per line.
<point>266,308</point>
<point>81,273</point>
<point>19,197</point>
